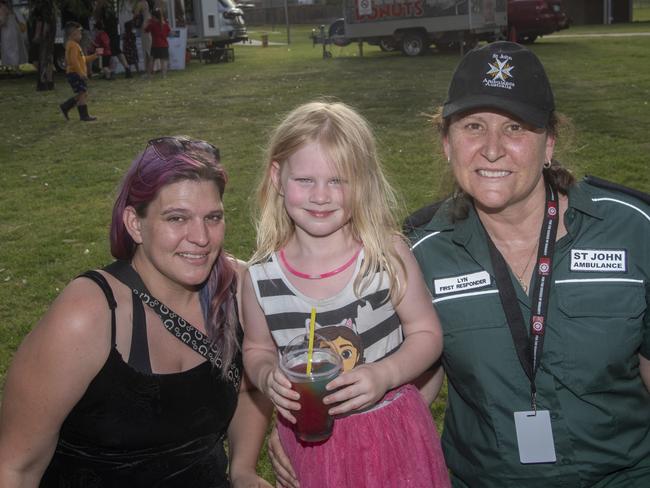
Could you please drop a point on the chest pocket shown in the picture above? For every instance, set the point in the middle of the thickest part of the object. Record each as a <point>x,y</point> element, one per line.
<point>601,298</point>
<point>603,328</point>
<point>477,341</point>
<point>469,311</point>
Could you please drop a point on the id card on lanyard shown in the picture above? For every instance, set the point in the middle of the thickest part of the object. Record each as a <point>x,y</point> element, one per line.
<point>533,427</point>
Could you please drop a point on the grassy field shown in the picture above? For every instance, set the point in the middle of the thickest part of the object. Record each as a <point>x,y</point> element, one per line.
<point>641,10</point>
<point>58,178</point>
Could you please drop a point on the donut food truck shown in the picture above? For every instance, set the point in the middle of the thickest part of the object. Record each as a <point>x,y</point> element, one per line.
<point>415,25</point>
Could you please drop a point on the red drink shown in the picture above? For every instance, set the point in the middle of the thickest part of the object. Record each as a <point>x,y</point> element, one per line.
<point>313,424</point>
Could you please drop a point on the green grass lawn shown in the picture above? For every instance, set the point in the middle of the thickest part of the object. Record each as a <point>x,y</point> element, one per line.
<point>641,14</point>
<point>58,178</point>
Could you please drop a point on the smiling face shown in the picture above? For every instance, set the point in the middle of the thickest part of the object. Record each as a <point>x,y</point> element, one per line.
<point>181,235</point>
<point>496,159</point>
<point>314,192</point>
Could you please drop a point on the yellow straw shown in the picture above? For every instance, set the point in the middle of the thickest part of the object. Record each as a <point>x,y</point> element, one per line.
<point>310,351</point>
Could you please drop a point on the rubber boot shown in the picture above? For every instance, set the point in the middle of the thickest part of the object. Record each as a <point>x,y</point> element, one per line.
<point>83,113</point>
<point>67,106</point>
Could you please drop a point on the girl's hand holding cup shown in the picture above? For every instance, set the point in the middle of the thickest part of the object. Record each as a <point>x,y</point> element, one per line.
<point>357,389</point>
<point>278,390</point>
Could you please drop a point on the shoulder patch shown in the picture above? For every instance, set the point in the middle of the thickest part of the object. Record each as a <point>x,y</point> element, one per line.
<point>608,185</point>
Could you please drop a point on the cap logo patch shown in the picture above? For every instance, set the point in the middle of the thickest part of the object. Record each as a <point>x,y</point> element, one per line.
<point>500,72</point>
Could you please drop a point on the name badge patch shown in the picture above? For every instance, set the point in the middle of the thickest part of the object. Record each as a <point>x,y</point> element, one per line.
<point>599,260</point>
<point>455,284</point>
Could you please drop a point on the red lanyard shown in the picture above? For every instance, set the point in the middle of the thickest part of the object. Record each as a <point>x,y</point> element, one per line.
<point>529,346</point>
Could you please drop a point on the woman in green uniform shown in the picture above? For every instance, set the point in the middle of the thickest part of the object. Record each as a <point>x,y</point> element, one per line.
<point>542,286</point>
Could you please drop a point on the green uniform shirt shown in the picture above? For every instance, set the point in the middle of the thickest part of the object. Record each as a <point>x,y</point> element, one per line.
<point>597,323</point>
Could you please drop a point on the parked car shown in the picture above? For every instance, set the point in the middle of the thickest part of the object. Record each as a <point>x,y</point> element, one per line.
<point>529,19</point>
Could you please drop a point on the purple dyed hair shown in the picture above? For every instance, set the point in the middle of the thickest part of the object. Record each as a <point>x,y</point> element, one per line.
<point>148,174</point>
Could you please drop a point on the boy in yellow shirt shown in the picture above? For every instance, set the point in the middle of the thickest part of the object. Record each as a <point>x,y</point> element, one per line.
<point>76,72</point>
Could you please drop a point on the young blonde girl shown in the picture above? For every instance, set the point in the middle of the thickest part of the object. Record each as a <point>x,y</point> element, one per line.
<point>327,239</point>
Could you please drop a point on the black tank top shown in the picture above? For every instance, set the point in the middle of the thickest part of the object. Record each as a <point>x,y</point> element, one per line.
<point>135,429</point>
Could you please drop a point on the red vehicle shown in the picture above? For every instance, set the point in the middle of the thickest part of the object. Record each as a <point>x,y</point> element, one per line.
<point>529,19</point>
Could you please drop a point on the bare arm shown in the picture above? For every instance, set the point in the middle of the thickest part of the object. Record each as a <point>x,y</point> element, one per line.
<point>644,367</point>
<point>261,355</point>
<point>246,435</point>
<point>50,372</point>
<point>422,332</point>
<point>421,347</point>
<point>430,382</point>
<point>285,476</point>
<point>248,426</point>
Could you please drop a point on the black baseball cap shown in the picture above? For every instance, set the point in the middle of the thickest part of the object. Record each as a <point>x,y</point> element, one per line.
<point>504,76</point>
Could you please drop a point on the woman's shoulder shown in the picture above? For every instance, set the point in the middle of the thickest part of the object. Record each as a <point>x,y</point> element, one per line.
<point>77,324</point>
<point>599,186</point>
<point>78,310</point>
<point>613,201</point>
<point>400,244</point>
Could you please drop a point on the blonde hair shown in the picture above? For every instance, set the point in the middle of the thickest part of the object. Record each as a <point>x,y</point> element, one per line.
<point>349,144</point>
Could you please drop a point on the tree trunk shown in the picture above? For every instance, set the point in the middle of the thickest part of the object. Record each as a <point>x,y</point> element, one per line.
<point>46,53</point>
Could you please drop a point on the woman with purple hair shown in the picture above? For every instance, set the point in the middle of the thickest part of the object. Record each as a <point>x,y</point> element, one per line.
<point>134,376</point>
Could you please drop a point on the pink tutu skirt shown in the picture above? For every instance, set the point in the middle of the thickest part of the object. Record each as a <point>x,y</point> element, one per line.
<point>395,444</point>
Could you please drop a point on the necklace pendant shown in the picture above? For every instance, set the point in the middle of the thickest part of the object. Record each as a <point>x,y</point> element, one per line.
<point>523,285</point>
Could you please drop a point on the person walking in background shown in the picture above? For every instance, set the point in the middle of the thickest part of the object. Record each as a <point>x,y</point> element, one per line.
<point>159,29</point>
<point>327,240</point>
<point>111,25</point>
<point>103,42</point>
<point>104,13</point>
<point>141,16</point>
<point>129,46</point>
<point>81,11</point>
<point>106,391</point>
<point>76,72</point>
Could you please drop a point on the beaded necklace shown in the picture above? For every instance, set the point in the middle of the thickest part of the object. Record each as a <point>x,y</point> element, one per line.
<point>328,274</point>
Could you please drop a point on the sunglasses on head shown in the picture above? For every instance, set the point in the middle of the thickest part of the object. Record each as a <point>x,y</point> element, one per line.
<point>168,147</point>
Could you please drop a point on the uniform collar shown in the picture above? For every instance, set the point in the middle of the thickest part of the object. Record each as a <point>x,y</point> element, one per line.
<point>441,220</point>
<point>580,200</point>
<point>463,230</point>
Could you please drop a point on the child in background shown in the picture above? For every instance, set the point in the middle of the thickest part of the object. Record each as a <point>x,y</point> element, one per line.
<point>129,48</point>
<point>103,41</point>
<point>159,29</point>
<point>76,72</point>
<point>327,239</point>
